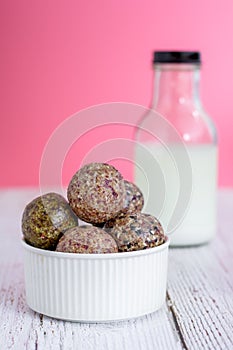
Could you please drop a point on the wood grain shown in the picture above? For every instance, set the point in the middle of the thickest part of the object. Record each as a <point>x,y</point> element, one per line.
<point>198,313</point>
<point>201,294</point>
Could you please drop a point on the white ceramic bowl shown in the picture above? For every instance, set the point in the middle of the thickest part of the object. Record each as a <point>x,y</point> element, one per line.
<point>95,287</point>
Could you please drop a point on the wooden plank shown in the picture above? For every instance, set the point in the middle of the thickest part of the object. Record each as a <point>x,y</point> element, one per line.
<point>201,293</point>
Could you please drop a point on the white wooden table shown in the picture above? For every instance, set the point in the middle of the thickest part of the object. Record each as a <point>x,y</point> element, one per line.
<point>198,313</point>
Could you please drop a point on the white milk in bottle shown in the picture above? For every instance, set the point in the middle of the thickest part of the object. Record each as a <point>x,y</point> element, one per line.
<point>176,152</point>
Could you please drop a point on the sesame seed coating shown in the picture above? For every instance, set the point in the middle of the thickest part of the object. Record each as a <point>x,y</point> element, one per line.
<point>135,232</point>
<point>45,219</point>
<point>87,239</point>
<point>96,192</point>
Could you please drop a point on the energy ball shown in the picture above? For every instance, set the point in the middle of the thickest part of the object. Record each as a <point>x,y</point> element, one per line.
<point>87,239</point>
<point>135,232</point>
<point>134,199</point>
<point>45,219</point>
<point>96,193</point>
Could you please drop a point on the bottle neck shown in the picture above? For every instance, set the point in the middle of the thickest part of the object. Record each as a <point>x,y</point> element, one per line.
<point>176,84</point>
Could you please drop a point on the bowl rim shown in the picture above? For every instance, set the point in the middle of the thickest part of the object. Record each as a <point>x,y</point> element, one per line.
<point>96,256</point>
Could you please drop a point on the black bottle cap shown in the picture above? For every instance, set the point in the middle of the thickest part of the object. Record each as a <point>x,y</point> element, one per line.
<point>177,57</point>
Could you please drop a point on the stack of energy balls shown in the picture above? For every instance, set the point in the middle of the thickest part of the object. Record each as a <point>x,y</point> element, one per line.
<point>111,206</point>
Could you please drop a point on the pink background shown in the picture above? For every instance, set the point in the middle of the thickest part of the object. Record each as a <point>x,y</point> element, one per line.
<point>58,57</point>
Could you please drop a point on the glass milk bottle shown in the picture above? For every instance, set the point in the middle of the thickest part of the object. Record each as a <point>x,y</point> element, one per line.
<point>176,152</point>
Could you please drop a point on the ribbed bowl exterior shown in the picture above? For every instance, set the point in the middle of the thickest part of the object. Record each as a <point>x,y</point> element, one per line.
<point>95,287</point>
